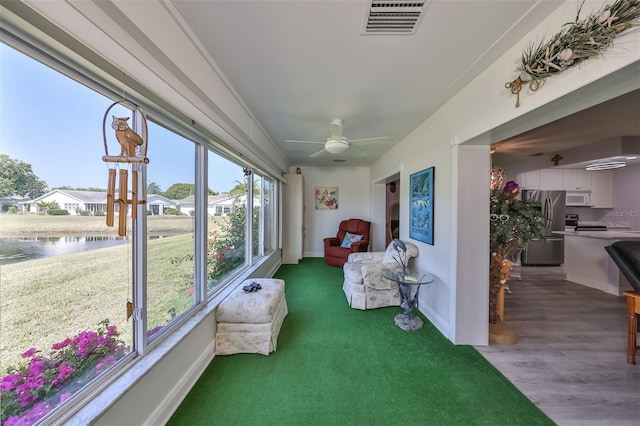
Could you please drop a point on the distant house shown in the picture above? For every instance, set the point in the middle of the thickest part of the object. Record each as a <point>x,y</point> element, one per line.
<point>157,204</point>
<point>92,201</point>
<point>217,205</point>
<point>16,201</point>
<point>71,200</point>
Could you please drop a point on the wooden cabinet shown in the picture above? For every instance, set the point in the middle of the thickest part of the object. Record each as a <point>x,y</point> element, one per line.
<point>293,220</point>
<point>576,180</point>
<point>601,188</point>
<point>551,179</point>
<point>529,180</point>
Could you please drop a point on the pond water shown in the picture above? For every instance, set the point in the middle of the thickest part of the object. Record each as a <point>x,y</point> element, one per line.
<point>15,250</point>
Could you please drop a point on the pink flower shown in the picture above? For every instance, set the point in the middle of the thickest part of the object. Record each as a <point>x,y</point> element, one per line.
<point>190,290</point>
<point>26,399</point>
<point>29,353</point>
<point>64,371</point>
<point>61,345</point>
<point>9,382</point>
<point>36,367</point>
<point>112,331</point>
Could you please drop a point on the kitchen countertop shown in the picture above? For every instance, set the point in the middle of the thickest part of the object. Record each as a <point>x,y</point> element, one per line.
<point>604,235</point>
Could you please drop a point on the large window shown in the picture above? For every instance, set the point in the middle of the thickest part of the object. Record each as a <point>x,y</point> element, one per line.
<point>81,299</point>
<point>263,215</point>
<point>227,222</point>
<point>65,276</point>
<point>171,242</point>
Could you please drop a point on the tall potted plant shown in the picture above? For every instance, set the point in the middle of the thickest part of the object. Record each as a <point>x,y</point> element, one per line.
<point>513,223</point>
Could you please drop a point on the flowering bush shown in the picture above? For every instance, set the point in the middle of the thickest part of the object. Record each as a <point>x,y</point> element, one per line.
<point>226,247</point>
<point>31,390</point>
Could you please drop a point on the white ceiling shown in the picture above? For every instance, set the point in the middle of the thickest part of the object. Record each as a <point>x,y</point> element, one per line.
<point>299,64</point>
<point>619,116</point>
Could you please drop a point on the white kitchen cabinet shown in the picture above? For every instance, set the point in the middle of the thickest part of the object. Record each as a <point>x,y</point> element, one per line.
<point>576,180</point>
<point>529,180</point>
<point>551,179</point>
<point>293,223</point>
<point>601,188</point>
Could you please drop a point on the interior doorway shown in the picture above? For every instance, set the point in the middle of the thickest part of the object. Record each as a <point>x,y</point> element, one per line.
<point>392,206</point>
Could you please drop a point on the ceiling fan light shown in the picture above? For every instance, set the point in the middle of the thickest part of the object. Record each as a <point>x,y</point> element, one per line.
<point>336,146</point>
<point>605,165</point>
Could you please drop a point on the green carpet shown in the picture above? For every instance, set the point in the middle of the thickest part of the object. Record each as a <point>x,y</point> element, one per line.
<point>341,366</point>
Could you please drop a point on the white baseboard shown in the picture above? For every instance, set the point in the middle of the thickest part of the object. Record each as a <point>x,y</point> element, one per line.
<point>436,320</point>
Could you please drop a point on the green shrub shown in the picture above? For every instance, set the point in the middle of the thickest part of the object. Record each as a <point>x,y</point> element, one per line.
<point>172,211</point>
<point>57,212</point>
<point>99,214</point>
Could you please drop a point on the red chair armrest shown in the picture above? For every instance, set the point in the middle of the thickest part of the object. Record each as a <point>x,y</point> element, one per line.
<point>331,241</point>
<point>359,246</point>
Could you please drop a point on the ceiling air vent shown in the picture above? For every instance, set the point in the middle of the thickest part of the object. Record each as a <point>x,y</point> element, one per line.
<point>393,17</point>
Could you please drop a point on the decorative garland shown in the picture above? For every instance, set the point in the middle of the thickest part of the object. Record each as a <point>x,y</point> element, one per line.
<point>576,42</point>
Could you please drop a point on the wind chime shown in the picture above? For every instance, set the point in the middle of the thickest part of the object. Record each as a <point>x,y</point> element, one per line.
<point>133,153</point>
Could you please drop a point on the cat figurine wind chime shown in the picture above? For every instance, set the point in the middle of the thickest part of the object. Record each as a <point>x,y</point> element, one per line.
<point>133,151</point>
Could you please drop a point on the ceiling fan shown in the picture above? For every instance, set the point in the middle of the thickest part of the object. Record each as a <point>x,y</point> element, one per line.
<point>336,143</point>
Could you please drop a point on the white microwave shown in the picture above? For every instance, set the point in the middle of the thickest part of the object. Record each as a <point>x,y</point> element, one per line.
<point>578,199</point>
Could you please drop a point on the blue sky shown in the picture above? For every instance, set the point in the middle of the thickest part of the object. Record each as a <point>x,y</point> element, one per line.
<point>55,124</point>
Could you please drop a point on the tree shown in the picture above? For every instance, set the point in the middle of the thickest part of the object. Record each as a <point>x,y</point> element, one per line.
<point>239,189</point>
<point>17,178</point>
<point>154,188</point>
<point>178,191</point>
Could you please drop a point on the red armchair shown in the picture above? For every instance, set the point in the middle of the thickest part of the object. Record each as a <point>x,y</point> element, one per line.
<point>336,250</point>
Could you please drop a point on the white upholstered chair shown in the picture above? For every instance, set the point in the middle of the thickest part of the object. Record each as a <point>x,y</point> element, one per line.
<point>364,285</point>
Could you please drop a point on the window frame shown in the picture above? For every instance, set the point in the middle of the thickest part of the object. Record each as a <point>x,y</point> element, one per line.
<point>98,395</point>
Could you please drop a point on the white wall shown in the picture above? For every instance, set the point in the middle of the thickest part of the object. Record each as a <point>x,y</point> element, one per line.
<point>354,201</point>
<point>480,114</point>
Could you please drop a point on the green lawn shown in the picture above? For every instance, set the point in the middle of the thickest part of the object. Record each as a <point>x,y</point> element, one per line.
<point>43,301</point>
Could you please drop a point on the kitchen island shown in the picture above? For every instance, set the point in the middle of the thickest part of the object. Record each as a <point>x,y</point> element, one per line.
<point>586,261</point>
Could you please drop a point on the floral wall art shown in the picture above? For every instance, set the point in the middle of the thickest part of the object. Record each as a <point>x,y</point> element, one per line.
<point>327,198</point>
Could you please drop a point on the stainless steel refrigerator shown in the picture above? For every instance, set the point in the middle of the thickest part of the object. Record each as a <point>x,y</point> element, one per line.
<point>548,250</point>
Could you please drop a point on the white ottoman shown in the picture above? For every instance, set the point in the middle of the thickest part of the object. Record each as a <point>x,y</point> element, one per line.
<point>250,322</point>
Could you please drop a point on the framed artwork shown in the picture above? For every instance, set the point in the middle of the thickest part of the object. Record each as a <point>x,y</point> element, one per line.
<point>327,198</point>
<point>421,206</point>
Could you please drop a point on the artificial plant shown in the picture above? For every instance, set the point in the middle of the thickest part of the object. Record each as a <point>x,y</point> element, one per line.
<point>513,223</point>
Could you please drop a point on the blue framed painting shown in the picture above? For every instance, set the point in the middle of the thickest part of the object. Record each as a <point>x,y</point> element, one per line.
<point>421,206</point>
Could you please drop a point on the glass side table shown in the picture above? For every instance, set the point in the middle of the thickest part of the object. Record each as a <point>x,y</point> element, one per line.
<point>409,285</point>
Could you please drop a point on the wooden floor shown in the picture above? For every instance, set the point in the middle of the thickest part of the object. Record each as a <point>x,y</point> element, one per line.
<point>571,356</point>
